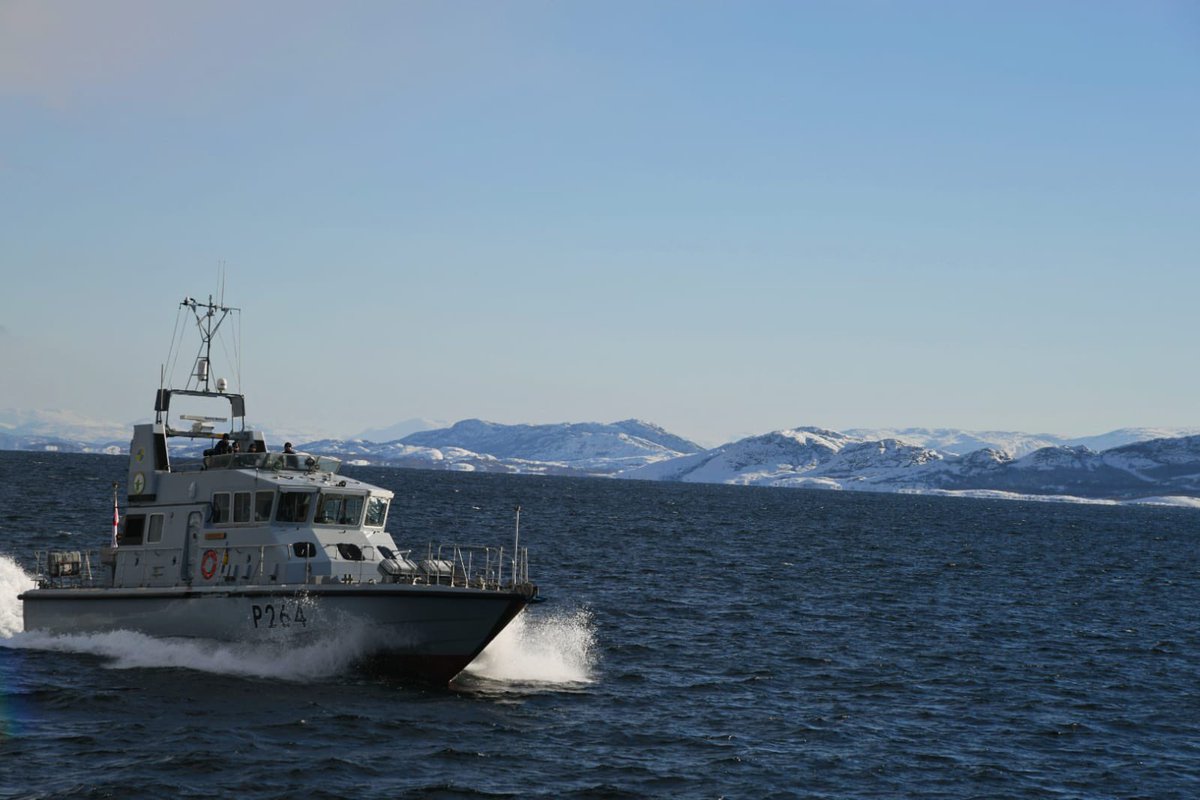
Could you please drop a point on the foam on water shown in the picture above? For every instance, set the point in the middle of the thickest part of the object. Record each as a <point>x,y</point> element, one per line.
<point>13,581</point>
<point>552,648</point>
<point>130,650</point>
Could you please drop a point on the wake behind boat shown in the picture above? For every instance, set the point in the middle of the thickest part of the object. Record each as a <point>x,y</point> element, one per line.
<point>244,543</point>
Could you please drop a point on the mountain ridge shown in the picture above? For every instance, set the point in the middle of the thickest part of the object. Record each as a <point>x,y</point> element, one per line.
<point>806,457</point>
<point>1142,463</point>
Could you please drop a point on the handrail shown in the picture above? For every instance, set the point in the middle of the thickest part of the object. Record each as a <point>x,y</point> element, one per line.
<point>467,566</point>
<point>267,462</point>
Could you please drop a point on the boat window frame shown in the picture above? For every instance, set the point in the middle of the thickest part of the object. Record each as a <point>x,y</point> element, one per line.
<point>341,520</point>
<point>308,507</point>
<point>261,516</point>
<point>216,517</point>
<point>154,529</point>
<point>243,507</point>
<point>376,500</point>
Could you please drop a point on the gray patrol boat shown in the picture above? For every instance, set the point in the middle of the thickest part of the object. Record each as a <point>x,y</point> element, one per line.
<point>243,543</point>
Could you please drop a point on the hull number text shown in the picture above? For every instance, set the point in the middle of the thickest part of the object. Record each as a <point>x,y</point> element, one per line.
<point>284,615</point>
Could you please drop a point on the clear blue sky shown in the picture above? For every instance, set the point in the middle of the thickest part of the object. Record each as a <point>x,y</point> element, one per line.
<point>725,218</point>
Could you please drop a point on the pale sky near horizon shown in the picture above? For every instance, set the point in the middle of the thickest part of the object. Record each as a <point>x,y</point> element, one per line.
<point>724,218</point>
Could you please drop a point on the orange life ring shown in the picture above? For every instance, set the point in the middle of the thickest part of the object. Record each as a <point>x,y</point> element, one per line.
<point>208,564</point>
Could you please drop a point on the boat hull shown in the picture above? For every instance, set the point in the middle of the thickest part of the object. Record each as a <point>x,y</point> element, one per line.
<point>425,632</point>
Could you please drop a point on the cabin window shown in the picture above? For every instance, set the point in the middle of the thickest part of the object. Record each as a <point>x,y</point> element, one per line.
<point>135,525</point>
<point>340,509</point>
<point>376,512</point>
<point>293,507</point>
<point>262,506</point>
<point>241,506</point>
<point>304,549</point>
<point>154,532</point>
<point>220,508</point>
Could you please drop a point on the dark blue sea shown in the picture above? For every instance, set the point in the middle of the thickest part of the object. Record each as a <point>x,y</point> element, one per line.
<point>697,641</point>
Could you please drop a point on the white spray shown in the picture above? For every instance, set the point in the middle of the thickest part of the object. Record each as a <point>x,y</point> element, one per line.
<point>13,581</point>
<point>542,648</point>
<point>129,650</point>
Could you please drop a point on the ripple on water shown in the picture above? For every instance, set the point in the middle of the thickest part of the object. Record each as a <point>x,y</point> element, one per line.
<point>702,642</point>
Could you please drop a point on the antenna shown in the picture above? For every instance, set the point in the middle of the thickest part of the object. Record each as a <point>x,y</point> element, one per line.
<point>516,545</point>
<point>209,317</point>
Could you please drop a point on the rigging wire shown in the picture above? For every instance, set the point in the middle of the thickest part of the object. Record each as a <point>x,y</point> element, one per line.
<point>175,338</point>
<point>237,349</point>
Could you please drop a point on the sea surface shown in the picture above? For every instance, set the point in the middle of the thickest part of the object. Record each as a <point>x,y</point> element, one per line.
<point>696,641</point>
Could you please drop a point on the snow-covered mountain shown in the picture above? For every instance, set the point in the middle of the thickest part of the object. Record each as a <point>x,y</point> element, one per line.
<point>55,444</point>
<point>585,446</point>
<point>1124,436</point>
<point>819,458</point>
<point>590,448</point>
<point>754,460</point>
<point>61,426</point>
<point>1142,463</point>
<point>951,441</point>
<point>798,457</point>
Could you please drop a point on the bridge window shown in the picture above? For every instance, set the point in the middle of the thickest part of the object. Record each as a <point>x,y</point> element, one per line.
<point>340,509</point>
<point>377,509</point>
<point>246,507</point>
<point>293,507</point>
<point>241,507</point>
<point>262,506</point>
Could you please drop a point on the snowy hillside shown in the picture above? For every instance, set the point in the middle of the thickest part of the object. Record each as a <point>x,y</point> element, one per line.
<point>812,457</point>
<point>475,445</point>
<point>1142,466</point>
<point>587,446</point>
<point>57,425</point>
<point>754,460</point>
<point>800,457</point>
<point>1124,436</point>
<point>951,441</point>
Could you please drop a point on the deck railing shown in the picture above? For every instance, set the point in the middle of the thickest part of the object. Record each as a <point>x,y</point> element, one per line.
<point>465,566</point>
<point>267,462</point>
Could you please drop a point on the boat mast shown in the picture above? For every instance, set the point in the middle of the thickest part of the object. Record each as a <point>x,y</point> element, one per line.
<point>209,317</point>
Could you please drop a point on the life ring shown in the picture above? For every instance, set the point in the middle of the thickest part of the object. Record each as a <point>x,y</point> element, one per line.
<point>208,564</point>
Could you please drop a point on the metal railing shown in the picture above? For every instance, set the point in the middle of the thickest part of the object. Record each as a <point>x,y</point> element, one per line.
<point>476,566</point>
<point>465,566</point>
<point>64,568</point>
<point>268,462</point>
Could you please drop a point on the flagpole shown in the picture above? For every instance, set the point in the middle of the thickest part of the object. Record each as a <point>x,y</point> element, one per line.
<point>116,515</point>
